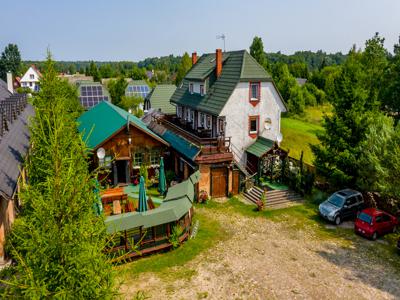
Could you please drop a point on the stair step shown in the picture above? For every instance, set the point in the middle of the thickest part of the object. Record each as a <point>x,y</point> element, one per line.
<point>283,197</point>
<point>284,200</point>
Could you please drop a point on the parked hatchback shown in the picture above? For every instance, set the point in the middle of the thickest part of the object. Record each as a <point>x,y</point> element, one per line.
<point>372,223</point>
<point>341,205</point>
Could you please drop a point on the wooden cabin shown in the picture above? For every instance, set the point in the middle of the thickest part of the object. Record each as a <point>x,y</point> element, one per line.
<point>120,143</point>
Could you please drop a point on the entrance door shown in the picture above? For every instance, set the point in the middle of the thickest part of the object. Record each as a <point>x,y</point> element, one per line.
<point>122,171</point>
<point>219,181</point>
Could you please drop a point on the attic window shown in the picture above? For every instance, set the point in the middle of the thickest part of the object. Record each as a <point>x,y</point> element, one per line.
<point>202,89</point>
<point>191,88</point>
<point>254,91</point>
<point>31,76</point>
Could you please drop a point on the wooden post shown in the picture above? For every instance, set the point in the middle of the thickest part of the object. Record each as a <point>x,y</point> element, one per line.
<point>126,241</point>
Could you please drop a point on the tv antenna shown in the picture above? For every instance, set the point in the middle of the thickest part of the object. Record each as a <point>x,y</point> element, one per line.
<point>222,37</point>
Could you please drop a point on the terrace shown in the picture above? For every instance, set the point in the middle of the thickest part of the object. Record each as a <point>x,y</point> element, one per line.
<point>208,142</point>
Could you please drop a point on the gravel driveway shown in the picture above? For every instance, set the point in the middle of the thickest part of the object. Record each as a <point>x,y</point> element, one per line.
<point>265,259</point>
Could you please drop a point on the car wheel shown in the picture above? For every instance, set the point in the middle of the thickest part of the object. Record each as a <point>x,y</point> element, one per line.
<point>374,236</point>
<point>394,229</point>
<point>338,220</point>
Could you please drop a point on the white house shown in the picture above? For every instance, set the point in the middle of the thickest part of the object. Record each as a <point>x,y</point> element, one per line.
<point>31,78</point>
<point>229,94</point>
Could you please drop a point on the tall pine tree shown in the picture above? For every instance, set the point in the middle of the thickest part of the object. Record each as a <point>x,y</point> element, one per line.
<point>57,240</point>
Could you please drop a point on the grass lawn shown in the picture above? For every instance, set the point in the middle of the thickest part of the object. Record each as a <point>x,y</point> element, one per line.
<point>301,131</point>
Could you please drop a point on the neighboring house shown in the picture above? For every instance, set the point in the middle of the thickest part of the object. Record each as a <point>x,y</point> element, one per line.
<point>14,145</point>
<point>301,81</point>
<point>159,99</point>
<point>224,104</point>
<point>91,93</point>
<point>31,79</point>
<point>124,139</point>
<point>137,88</point>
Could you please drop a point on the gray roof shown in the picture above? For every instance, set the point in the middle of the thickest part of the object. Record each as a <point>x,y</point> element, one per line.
<point>4,92</point>
<point>14,145</point>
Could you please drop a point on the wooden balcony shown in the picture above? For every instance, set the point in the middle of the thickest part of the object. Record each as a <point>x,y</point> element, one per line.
<point>200,137</point>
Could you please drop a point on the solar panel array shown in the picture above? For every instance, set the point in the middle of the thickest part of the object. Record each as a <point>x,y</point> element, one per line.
<point>137,90</point>
<point>92,95</point>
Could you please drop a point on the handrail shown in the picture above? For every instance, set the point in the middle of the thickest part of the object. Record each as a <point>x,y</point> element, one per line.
<point>213,141</point>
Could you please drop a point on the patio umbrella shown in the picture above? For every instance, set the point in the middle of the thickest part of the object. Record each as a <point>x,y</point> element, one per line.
<point>162,184</point>
<point>142,196</point>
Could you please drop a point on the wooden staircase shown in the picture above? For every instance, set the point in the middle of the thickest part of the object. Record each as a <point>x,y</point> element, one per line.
<point>274,197</point>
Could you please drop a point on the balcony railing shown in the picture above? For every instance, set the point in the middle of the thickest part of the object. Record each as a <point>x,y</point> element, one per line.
<point>208,145</point>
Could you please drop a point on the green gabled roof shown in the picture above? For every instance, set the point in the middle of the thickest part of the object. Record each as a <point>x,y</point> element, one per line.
<point>260,147</point>
<point>237,66</point>
<point>204,66</point>
<point>177,203</point>
<point>105,119</point>
<point>160,98</point>
<point>252,70</point>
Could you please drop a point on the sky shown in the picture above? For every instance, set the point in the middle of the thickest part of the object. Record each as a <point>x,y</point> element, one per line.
<point>107,30</point>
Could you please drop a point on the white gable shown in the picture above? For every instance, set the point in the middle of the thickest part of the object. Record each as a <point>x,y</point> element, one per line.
<point>30,76</point>
<point>238,110</point>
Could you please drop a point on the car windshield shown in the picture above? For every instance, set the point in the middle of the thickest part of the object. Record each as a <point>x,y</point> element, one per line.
<point>364,217</point>
<point>336,200</point>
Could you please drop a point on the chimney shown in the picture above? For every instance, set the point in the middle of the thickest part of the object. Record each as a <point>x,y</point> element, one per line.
<point>194,58</point>
<point>10,85</point>
<point>218,62</point>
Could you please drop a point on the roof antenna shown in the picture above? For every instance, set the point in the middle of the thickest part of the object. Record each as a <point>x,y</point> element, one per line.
<point>222,37</point>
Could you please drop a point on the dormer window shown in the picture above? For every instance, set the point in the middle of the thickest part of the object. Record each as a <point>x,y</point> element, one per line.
<point>255,91</point>
<point>191,88</point>
<point>202,89</point>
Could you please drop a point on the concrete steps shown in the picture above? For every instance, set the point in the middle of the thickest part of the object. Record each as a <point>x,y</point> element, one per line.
<point>274,197</point>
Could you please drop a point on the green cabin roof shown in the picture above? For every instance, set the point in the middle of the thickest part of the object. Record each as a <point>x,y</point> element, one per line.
<point>237,66</point>
<point>160,98</point>
<point>105,119</point>
<point>260,147</point>
<point>177,203</point>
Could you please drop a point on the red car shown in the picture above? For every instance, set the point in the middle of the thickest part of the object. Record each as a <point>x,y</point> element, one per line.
<point>372,223</point>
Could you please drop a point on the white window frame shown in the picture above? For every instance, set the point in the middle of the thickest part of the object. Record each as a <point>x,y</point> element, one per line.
<point>201,119</point>
<point>208,121</point>
<point>258,85</point>
<point>191,88</point>
<point>202,91</point>
<point>257,119</point>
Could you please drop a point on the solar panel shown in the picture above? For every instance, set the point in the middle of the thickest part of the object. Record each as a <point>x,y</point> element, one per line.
<point>92,95</point>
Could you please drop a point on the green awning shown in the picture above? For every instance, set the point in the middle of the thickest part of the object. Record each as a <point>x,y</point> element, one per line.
<point>176,204</point>
<point>260,147</point>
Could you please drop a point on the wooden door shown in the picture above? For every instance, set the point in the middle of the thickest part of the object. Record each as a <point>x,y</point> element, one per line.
<point>219,182</point>
<point>235,182</point>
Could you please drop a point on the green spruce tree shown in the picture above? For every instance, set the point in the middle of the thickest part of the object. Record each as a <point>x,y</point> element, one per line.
<point>57,240</point>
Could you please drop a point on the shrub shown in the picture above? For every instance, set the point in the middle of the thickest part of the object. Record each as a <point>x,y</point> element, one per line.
<point>175,235</point>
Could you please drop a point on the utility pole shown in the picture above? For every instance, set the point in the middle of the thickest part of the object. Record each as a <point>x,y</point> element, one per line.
<point>222,37</point>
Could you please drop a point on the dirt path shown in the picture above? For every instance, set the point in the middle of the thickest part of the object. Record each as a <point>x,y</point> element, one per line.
<point>268,260</point>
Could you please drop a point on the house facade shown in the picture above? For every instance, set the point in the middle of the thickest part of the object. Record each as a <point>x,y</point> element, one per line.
<point>224,104</point>
<point>124,141</point>
<point>31,79</point>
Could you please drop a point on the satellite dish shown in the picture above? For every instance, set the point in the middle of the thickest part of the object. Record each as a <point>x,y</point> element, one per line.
<point>267,123</point>
<point>279,137</point>
<point>101,153</point>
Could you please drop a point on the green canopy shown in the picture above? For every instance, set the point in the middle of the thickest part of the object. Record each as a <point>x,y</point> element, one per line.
<point>142,196</point>
<point>162,184</point>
